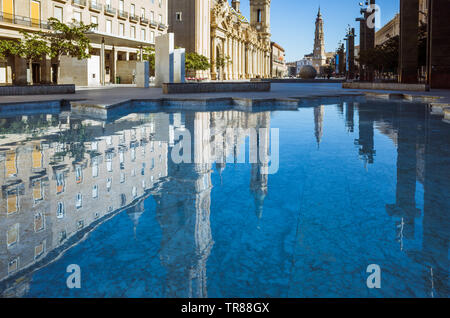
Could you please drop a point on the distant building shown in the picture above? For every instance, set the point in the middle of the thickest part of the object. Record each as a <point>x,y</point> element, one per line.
<point>278,63</point>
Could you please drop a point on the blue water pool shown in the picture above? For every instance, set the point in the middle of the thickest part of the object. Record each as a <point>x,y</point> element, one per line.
<point>355,183</point>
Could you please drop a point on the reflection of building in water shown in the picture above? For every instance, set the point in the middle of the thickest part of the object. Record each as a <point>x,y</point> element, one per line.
<point>366,134</point>
<point>436,214</point>
<point>183,205</point>
<point>55,185</point>
<point>405,206</point>
<point>319,111</point>
<point>350,116</point>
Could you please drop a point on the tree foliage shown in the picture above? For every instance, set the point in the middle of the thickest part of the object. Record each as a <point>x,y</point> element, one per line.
<point>69,39</point>
<point>383,58</point>
<point>197,62</point>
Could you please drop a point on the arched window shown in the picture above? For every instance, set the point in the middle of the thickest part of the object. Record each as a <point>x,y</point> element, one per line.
<point>259,16</point>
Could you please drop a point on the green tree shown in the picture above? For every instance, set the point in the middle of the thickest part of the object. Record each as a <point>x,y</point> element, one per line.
<point>68,39</point>
<point>9,48</point>
<point>32,48</point>
<point>149,55</point>
<point>196,62</point>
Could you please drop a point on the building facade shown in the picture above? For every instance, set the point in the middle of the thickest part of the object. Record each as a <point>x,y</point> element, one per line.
<point>236,48</point>
<point>278,62</point>
<point>124,28</point>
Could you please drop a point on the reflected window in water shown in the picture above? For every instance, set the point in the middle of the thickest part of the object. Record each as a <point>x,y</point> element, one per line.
<point>60,210</point>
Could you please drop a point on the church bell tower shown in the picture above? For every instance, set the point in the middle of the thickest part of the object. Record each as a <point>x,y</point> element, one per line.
<point>260,16</point>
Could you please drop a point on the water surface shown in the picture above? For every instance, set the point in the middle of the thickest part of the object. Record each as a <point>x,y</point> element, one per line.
<point>359,183</point>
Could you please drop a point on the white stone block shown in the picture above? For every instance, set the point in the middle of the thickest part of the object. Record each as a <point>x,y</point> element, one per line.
<point>164,49</point>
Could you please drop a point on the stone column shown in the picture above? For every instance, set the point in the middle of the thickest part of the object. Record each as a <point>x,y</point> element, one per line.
<point>409,19</point>
<point>225,53</point>
<point>213,59</point>
<point>113,64</point>
<point>438,58</point>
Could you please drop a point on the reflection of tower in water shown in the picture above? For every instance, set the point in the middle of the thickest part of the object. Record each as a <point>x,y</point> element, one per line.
<point>183,211</point>
<point>259,170</point>
<point>405,206</point>
<point>135,212</point>
<point>366,135</point>
<point>349,116</point>
<point>184,200</point>
<point>319,112</point>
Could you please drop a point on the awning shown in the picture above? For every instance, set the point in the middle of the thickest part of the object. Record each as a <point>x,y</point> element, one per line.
<point>113,40</point>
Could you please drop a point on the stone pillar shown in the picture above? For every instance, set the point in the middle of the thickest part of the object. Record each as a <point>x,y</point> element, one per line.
<point>213,59</point>
<point>409,20</point>
<point>225,54</point>
<point>438,58</point>
<point>113,67</point>
<point>102,63</point>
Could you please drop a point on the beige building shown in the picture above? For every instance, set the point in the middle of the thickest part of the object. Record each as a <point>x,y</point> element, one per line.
<point>277,61</point>
<point>237,48</point>
<point>124,27</point>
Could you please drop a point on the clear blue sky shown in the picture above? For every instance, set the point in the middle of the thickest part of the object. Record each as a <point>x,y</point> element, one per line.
<point>293,22</point>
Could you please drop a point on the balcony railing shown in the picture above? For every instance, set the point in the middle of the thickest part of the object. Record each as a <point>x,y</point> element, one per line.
<point>161,26</point>
<point>24,21</point>
<point>81,3</point>
<point>94,6</point>
<point>134,18</point>
<point>110,10</point>
<point>144,21</point>
<point>122,14</point>
<point>153,24</point>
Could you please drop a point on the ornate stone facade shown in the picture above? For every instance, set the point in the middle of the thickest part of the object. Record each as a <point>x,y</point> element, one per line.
<point>238,49</point>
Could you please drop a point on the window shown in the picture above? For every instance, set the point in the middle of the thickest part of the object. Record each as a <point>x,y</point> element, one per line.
<point>152,37</point>
<point>133,10</point>
<point>13,265</point>
<point>122,177</point>
<point>160,3</point>
<point>38,222</point>
<point>79,201</point>
<point>108,26</point>
<point>108,184</point>
<point>152,16</point>
<point>95,191</point>
<point>94,20</point>
<point>39,250</point>
<point>160,18</point>
<point>12,236</point>
<point>77,16</point>
<point>121,5</point>
<point>259,15</point>
<point>143,35</point>
<point>121,29</point>
<point>134,192</point>
<point>58,13</point>
<point>60,210</point>
<point>143,13</point>
<point>132,32</point>
<point>78,174</point>
<point>178,16</point>
<point>95,167</point>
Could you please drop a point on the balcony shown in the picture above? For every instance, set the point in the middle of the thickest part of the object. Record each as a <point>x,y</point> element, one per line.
<point>133,18</point>
<point>24,21</point>
<point>80,3</point>
<point>94,6</point>
<point>144,21</point>
<point>161,26</point>
<point>122,14</point>
<point>62,1</point>
<point>153,24</point>
<point>108,10</point>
